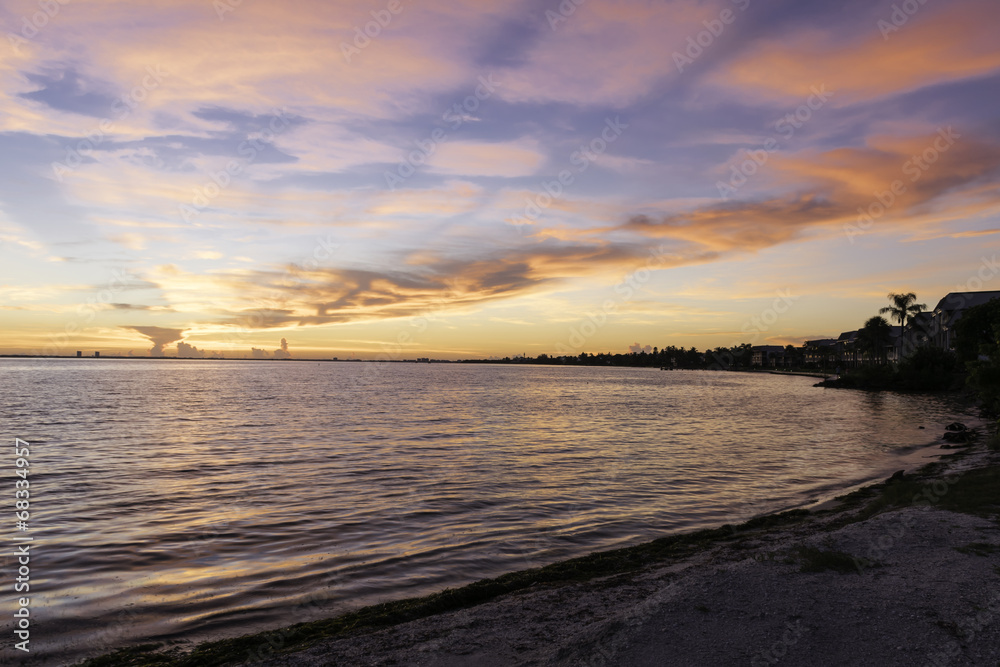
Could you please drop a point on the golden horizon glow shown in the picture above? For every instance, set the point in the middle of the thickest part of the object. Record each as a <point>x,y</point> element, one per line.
<point>481,179</point>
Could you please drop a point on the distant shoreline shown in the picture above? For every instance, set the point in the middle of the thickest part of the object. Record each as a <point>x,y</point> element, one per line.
<point>814,374</point>
<point>306,359</point>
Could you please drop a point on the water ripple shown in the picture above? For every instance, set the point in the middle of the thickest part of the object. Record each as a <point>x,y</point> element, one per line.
<point>192,500</point>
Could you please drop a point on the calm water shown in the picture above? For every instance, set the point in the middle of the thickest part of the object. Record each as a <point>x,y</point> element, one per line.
<point>187,500</point>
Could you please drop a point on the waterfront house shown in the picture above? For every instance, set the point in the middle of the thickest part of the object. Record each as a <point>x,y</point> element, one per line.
<point>820,352</point>
<point>768,356</point>
<point>949,311</point>
<point>846,349</point>
<point>919,332</point>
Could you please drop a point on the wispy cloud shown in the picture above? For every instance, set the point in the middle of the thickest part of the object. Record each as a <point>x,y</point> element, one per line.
<point>117,117</point>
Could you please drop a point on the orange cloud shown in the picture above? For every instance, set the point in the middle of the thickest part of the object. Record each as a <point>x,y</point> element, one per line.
<point>928,167</point>
<point>899,179</point>
<point>428,283</point>
<point>946,43</point>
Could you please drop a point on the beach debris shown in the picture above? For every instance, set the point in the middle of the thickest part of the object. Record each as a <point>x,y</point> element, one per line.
<point>956,427</point>
<point>897,476</point>
<point>958,436</point>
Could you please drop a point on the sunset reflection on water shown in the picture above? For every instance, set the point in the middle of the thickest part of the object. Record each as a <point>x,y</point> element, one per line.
<point>196,499</point>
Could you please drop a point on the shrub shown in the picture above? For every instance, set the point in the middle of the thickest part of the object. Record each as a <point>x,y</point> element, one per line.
<point>928,369</point>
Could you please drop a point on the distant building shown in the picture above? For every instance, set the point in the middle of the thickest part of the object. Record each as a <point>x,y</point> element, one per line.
<point>97,354</point>
<point>935,327</point>
<point>768,356</point>
<point>847,350</point>
<point>949,311</point>
<point>819,351</point>
<point>919,332</point>
<point>893,347</point>
<point>79,353</point>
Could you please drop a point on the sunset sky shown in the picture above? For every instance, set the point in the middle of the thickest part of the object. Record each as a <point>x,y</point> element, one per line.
<point>456,179</point>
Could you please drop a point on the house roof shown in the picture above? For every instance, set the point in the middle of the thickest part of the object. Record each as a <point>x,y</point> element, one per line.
<point>959,301</point>
<point>823,342</point>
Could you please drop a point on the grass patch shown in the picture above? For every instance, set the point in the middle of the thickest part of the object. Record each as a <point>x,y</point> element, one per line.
<point>993,442</point>
<point>820,560</point>
<point>972,492</point>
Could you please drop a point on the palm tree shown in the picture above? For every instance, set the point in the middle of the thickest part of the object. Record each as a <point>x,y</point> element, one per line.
<point>903,307</point>
<point>874,338</point>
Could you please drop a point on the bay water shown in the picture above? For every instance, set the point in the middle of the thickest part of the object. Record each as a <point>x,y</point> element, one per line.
<point>184,500</point>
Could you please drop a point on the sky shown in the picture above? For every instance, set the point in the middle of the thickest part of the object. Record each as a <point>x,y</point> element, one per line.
<point>400,179</point>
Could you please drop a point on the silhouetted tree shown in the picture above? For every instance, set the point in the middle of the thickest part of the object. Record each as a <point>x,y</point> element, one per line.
<point>874,338</point>
<point>904,306</point>
<point>977,342</point>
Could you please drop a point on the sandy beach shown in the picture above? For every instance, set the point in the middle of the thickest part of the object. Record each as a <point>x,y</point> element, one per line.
<point>904,572</point>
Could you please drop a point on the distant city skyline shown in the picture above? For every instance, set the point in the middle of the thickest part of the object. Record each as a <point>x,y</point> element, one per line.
<point>470,179</point>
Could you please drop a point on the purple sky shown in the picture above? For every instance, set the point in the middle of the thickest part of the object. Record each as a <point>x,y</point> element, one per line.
<point>455,179</point>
